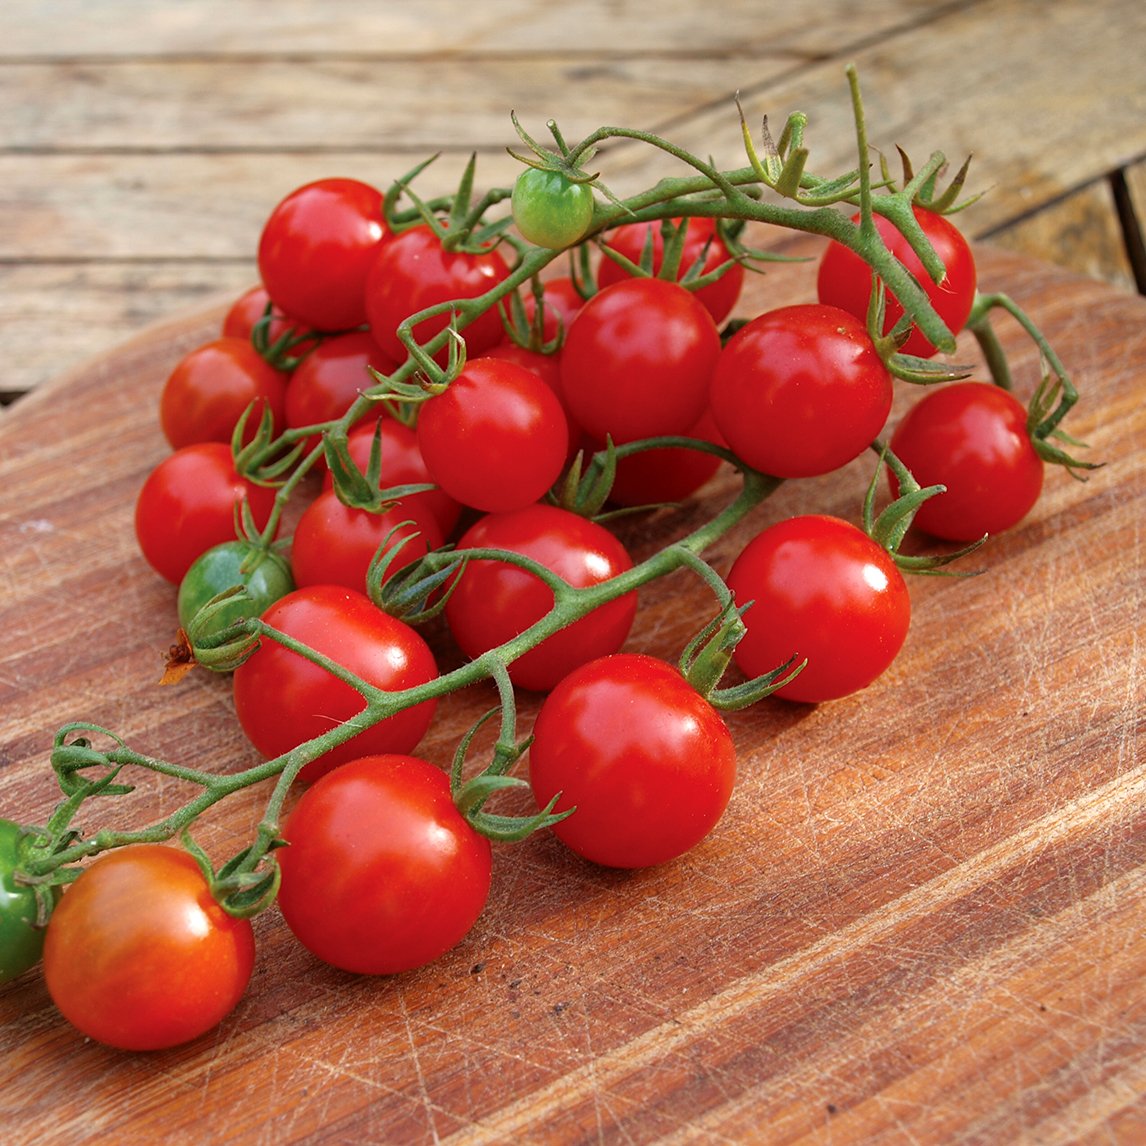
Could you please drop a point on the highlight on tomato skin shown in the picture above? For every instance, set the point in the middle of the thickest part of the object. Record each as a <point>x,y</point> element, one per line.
<point>139,955</point>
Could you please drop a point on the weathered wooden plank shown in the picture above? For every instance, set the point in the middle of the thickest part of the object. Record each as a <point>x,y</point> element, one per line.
<point>1017,84</point>
<point>345,105</point>
<point>39,29</point>
<point>1081,231</point>
<point>53,315</point>
<point>212,155</point>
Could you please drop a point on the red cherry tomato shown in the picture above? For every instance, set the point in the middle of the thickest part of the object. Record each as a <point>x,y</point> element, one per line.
<point>383,874</point>
<point>317,248</point>
<point>402,464</point>
<point>669,473</point>
<point>701,239</point>
<point>249,309</point>
<point>187,505</point>
<point>496,438</point>
<point>645,760</point>
<point>210,388</point>
<point>845,280</point>
<point>971,437</point>
<point>560,300</point>
<point>548,368</point>
<point>414,271</point>
<point>800,391</point>
<point>493,601</point>
<point>139,955</point>
<point>328,381</point>
<point>822,589</point>
<point>283,700</point>
<point>637,361</point>
<point>333,543</point>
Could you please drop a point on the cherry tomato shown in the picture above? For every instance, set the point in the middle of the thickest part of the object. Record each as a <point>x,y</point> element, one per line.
<point>249,309</point>
<point>140,956</point>
<point>645,760</point>
<point>265,574</point>
<point>971,437</point>
<point>800,391</point>
<point>560,301</point>
<point>328,381</point>
<point>496,438</point>
<point>822,589</point>
<point>845,280</point>
<point>414,271</point>
<point>283,700</point>
<point>493,601</point>
<point>550,209</point>
<point>382,873</point>
<point>402,464</point>
<point>210,388</point>
<point>548,368</point>
<point>637,361</point>
<point>701,239</point>
<point>334,543</point>
<point>187,504</point>
<point>21,940</point>
<point>669,473</point>
<point>316,249</point>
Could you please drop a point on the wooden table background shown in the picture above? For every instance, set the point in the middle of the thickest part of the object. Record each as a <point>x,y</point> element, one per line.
<point>923,919</point>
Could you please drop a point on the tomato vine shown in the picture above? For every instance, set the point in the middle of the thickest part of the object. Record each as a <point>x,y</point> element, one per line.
<point>495,436</point>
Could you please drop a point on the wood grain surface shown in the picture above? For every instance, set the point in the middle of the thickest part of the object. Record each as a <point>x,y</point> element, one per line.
<point>922,919</point>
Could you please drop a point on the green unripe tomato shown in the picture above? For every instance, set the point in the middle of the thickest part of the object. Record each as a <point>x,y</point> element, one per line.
<point>21,941</point>
<point>550,209</point>
<point>267,578</point>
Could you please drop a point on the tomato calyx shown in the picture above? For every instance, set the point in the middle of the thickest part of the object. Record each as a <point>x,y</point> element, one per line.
<point>924,189</point>
<point>906,367</point>
<point>707,656</point>
<point>1047,407</point>
<point>1055,395</point>
<point>889,527</point>
<point>470,795</point>
<point>588,483</point>
<point>674,235</point>
<point>528,331</point>
<point>287,349</point>
<point>216,639</point>
<point>362,488</point>
<point>247,883</point>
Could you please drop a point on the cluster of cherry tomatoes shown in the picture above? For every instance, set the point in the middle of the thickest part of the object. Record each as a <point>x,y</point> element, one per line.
<point>385,868</point>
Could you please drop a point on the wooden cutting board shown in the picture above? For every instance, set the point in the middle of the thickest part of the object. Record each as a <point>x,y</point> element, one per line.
<point>923,917</point>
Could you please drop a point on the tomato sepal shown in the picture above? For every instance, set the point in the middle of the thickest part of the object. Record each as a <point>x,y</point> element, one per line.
<point>889,527</point>
<point>246,884</point>
<point>217,640</point>
<point>470,795</point>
